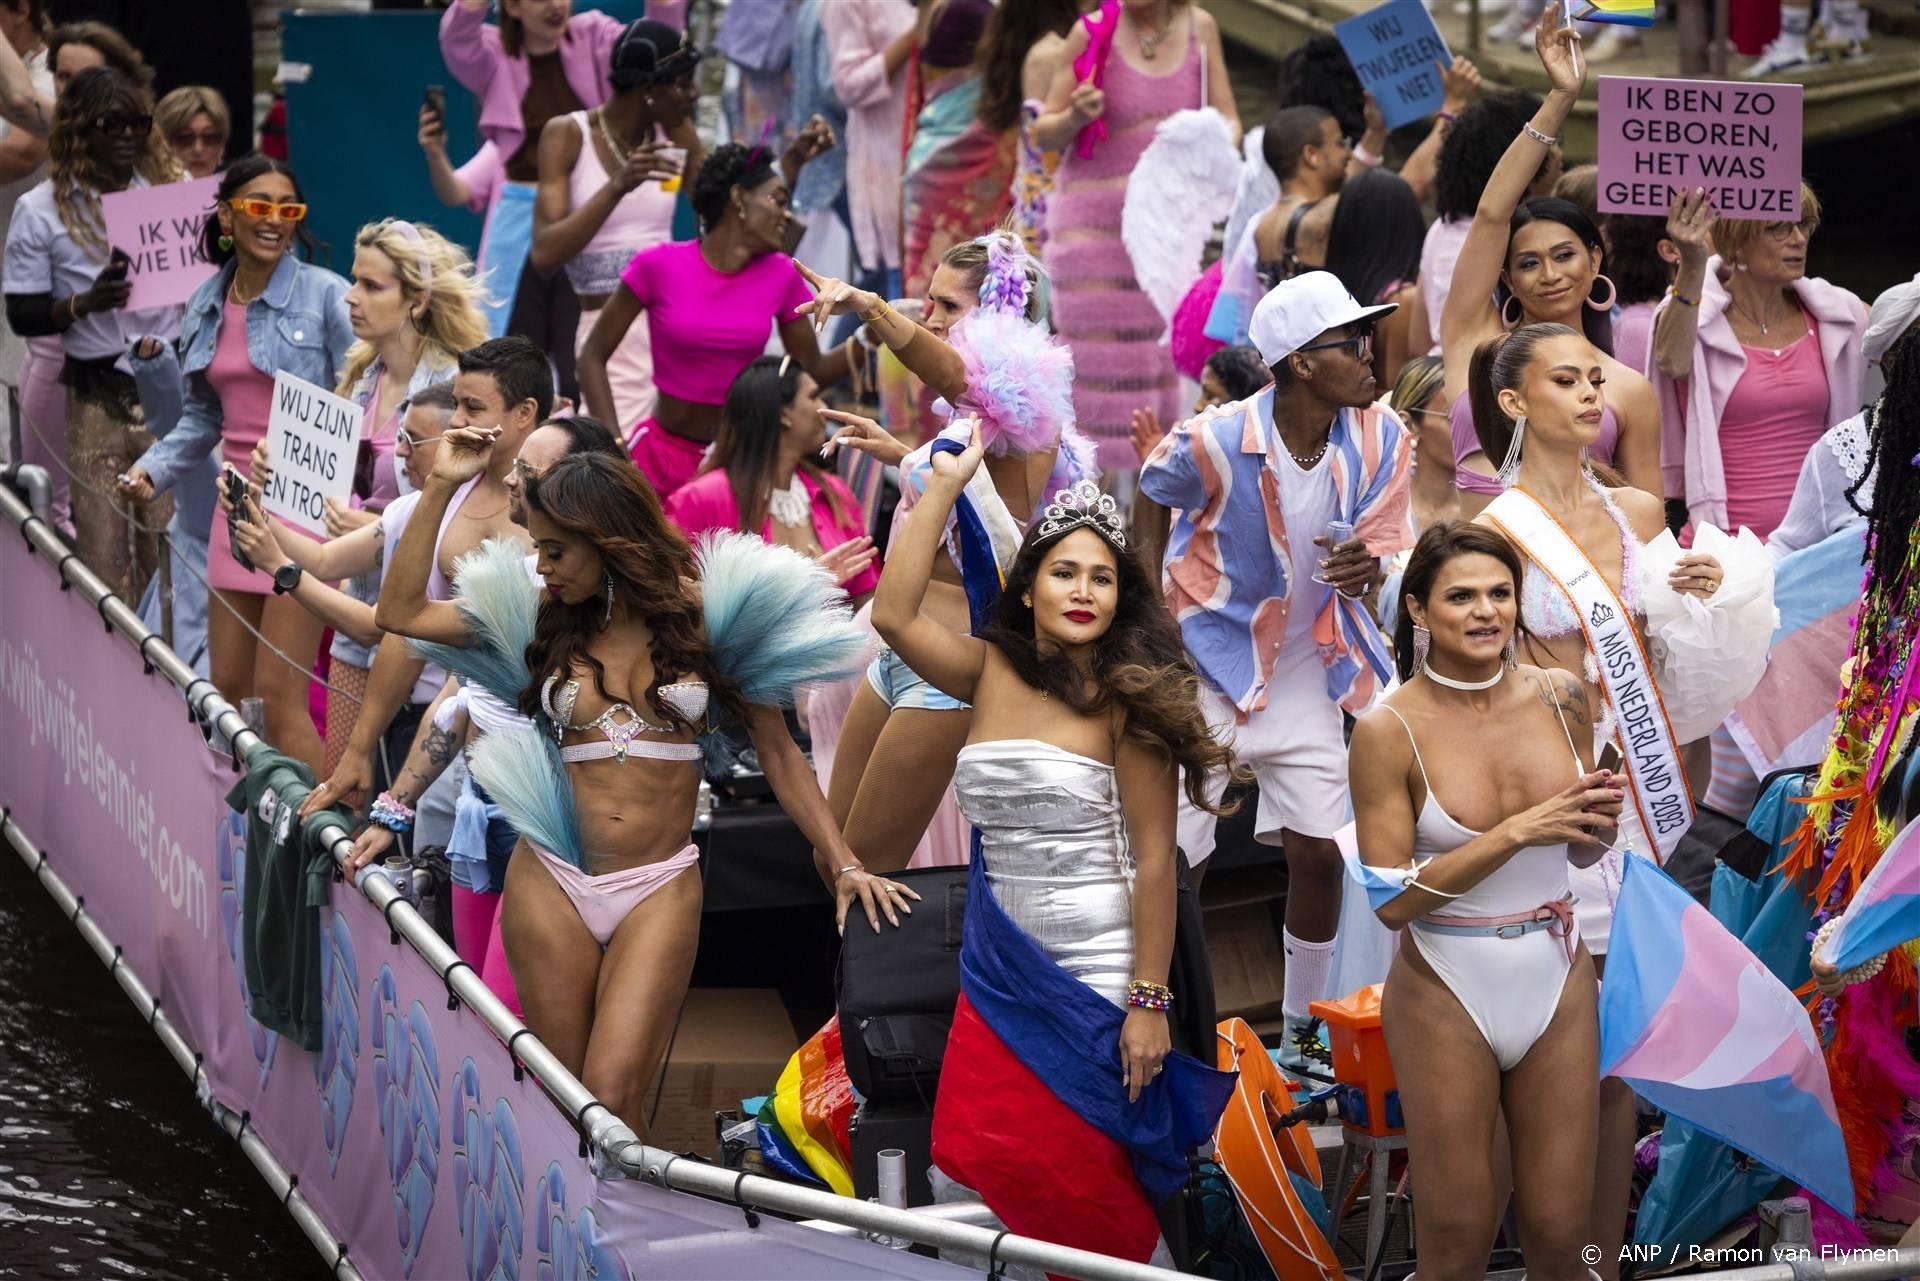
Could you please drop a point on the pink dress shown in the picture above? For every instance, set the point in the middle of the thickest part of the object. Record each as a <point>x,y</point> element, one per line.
<point>1777,412</point>
<point>246,398</point>
<point>1099,308</point>
<point>706,502</point>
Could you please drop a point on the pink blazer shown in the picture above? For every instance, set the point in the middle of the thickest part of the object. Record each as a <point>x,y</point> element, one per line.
<point>1690,408</point>
<point>471,47</point>
<point>706,502</point>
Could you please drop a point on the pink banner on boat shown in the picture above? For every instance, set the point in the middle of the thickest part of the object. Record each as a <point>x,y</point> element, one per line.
<point>410,1136</point>
<point>1741,142</point>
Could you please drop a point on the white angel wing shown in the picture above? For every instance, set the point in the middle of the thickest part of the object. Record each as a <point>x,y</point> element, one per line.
<point>1182,184</point>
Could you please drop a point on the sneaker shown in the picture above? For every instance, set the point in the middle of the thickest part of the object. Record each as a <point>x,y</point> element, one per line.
<point>1518,24</point>
<point>1303,1052</point>
<point>1783,53</point>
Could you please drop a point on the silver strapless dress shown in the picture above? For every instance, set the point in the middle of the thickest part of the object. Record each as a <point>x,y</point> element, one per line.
<point>1056,852</point>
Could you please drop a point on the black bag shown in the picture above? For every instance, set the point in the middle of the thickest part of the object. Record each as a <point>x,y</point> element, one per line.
<point>896,990</point>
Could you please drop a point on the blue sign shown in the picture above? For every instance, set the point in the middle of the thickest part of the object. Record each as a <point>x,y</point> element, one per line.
<point>1397,52</point>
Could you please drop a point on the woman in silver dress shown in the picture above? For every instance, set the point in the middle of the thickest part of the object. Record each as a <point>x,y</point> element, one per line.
<point>1084,714</point>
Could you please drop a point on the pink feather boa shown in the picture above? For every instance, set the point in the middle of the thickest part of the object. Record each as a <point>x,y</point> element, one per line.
<point>1019,381</point>
<point>1877,1066</point>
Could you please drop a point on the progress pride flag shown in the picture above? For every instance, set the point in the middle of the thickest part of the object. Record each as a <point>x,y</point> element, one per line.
<point>1739,141</point>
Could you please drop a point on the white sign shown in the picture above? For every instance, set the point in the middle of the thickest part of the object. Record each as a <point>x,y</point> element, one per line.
<point>313,439</point>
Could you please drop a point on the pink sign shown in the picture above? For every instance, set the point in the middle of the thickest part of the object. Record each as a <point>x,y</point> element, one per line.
<point>1741,142</point>
<point>159,229</point>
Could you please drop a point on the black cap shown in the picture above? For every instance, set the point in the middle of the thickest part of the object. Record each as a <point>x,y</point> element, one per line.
<point>650,52</point>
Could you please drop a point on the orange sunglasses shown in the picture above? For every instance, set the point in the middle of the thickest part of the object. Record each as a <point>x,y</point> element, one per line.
<point>257,208</point>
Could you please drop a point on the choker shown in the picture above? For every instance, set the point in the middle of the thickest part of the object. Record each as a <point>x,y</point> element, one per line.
<point>1451,683</point>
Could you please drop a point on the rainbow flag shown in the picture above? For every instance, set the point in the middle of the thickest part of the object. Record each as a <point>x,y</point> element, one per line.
<point>1885,911</point>
<point>1620,13</point>
<point>1701,1029</point>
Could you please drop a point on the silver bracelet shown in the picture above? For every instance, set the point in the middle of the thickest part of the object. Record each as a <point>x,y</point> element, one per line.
<point>1544,140</point>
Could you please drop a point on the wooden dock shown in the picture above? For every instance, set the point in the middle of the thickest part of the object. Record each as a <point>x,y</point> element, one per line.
<point>1842,99</point>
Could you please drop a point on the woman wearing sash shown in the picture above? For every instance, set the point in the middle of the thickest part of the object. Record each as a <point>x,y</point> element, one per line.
<point>1538,404</point>
<point>985,348</point>
<point>1492,991</point>
<point>1539,261</point>
<point>1061,1101</point>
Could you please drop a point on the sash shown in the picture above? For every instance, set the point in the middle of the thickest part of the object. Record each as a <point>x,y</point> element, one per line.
<point>1641,728</point>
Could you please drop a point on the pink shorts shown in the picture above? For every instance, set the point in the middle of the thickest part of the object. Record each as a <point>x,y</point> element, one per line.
<point>666,460</point>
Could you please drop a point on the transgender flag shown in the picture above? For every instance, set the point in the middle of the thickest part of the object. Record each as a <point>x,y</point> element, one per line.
<point>1885,912</point>
<point>1698,1027</point>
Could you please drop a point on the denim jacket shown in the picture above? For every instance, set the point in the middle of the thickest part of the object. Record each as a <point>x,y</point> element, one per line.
<point>298,324</point>
<point>163,398</point>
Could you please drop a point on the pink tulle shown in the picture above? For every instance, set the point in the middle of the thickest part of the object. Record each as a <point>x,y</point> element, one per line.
<point>1019,381</point>
<point>1189,340</point>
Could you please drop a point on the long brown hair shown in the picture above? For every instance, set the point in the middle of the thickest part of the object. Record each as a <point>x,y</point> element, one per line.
<point>1011,33</point>
<point>77,180</point>
<point>1139,667</point>
<point>747,446</point>
<point>607,502</point>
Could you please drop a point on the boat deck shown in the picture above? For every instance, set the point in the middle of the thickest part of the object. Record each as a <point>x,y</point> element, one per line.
<point>1842,99</point>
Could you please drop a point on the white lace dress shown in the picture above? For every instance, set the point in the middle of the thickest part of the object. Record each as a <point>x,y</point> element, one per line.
<point>1819,507</point>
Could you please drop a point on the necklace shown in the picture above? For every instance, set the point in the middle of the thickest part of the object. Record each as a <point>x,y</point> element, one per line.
<point>789,506</point>
<point>615,149</point>
<point>1150,42</point>
<point>233,293</point>
<point>1750,316</point>
<point>1469,686</point>
<point>1307,463</point>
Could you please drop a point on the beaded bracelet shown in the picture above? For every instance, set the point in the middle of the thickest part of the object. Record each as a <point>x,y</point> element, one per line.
<point>391,814</point>
<point>1149,996</point>
<point>1682,299</point>
<point>1860,973</point>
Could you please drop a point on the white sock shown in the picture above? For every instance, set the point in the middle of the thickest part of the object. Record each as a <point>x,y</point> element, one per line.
<point>1306,974</point>
<point>1794,22</point>
<point>1844,20</point>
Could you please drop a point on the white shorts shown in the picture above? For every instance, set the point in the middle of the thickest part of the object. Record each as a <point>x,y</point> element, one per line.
<point>1298,755</point>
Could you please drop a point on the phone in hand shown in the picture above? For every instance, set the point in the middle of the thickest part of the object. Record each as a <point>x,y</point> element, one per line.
<point>236,487</point>
<point>436,100</point>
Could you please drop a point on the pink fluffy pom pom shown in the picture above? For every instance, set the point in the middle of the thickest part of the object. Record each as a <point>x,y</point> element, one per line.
<point>1190,344</point>
<point>1019,381</point>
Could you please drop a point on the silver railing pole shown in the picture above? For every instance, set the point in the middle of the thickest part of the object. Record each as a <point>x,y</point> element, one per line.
<point>618,1151</point>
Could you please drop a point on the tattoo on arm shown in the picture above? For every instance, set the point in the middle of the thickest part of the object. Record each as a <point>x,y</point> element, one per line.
<point>439,747</point>
<point>379,555</point>
<point>1566,696</point>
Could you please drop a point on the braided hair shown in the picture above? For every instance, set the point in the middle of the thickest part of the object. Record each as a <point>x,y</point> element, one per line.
<point>1893,433</point>
<point>77,179</point>
<point>729,165</point>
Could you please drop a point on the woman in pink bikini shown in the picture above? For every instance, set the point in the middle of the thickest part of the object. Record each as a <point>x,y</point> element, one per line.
<point>619,662</point>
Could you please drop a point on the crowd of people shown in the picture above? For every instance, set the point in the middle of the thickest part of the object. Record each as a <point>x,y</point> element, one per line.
<point>1114,561</point>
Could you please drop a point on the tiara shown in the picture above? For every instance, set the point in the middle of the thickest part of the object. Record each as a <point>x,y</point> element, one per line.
<point>1083,504</point>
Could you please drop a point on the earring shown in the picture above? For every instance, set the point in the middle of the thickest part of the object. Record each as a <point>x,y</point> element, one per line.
<point>1612,293</point>
<point>608,616</point>
<point>1512,652</point>
<point>1422,641</point>
<point>1510,465</point>
<point>1027,600</point>
<point>1511,313</point>
<point>225,242</point>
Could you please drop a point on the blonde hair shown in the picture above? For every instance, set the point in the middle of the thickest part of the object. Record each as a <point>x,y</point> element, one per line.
<point>1732,235</point>
<point>431,267</point>
<point>177,110</point>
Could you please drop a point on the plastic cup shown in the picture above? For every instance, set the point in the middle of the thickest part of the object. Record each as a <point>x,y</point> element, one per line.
<point>1338,532</point>
<point>677,157</point>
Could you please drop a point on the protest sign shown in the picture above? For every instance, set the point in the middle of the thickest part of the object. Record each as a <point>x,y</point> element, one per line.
<point>313,438</point>
<point>1741,142</point>
<point>159,229</point>
<point>1393,50</point>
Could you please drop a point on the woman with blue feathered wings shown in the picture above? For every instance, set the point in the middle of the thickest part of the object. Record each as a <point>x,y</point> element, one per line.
<point>619,663</point>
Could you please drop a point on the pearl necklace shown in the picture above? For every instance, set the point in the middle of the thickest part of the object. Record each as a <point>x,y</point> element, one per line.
<point>1468,686</point>
<point>790,506</point>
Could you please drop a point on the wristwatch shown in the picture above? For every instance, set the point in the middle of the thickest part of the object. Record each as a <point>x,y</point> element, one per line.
<point>286,578</point>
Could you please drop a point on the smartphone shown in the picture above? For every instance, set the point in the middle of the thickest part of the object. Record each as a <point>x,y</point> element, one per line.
<point>436,100</point>
<point>119,261</point>
<point>236,486</point>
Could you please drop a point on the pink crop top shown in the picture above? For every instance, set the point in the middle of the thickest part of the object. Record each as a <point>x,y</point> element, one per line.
<point>708,325</point>
<point>1466,442</point>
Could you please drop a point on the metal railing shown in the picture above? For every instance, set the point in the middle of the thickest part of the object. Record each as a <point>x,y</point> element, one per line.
<point>617,1151</point>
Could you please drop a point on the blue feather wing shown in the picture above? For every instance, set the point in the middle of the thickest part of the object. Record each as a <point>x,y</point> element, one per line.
<point>775,620</point>
<point>521,769</point>
<point>502,605</point>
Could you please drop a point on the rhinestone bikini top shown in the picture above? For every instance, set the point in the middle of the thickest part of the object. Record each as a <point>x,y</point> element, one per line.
<point>622,724</point>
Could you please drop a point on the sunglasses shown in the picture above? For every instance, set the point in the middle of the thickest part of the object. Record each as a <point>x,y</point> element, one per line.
<point>120,124</point>
<point>257,208</point>
<point>1362,346</point>
<point>198,138</point>
<point>411,441</point>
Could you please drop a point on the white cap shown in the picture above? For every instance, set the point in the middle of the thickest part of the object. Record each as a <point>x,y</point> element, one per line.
<point>1893,313</point>
<point>1297,311</point>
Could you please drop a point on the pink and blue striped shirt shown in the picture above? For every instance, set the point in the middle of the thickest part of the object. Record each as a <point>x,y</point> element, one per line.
<point>1229,561</point>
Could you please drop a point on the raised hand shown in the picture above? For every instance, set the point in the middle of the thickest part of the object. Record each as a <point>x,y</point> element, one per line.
<point>1145,432</point>
<point>847,560</point>
<point>1690,225</point>
<point>464,453</point>
<point>1459,85</point>
<point>432,135</point>
<point>832,297</point>
<point>1556,46</point>
<point>815,138</point>
<point>865,435</point>
<point>957,469</point>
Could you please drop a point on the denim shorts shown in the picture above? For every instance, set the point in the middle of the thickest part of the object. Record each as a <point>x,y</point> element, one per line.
<point>901,686</point>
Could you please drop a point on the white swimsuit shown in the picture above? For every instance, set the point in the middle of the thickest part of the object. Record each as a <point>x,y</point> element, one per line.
<point>1509,981</point>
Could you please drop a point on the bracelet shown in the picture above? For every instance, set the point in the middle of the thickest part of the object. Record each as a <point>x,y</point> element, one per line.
<point>1143,995</point>
<point>1444,115</point>
<point>851,867</point>
<point>1366,157</point>
<point>1860,973</point>
<point>1545,140</point>
<point>1682,299</point>
<point>391,814</point>
<point>880,311</point>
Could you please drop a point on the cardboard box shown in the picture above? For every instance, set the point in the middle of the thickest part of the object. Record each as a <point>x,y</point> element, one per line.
<point>1249,968</point>
<point>732,1044</point>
